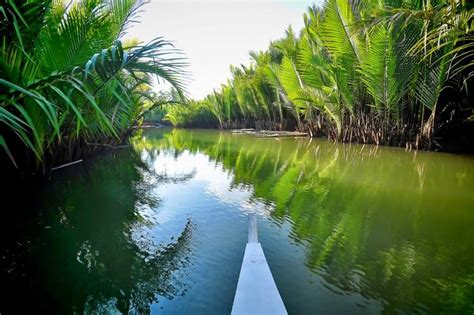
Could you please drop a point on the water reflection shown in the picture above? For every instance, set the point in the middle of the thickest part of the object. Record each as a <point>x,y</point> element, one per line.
<point>161,228</point>
<point>393,226</point>
<point>93,251</point>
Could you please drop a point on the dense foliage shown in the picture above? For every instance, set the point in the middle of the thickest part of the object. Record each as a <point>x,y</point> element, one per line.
<point>387,72</point>
<point>67,81</point>
<point>180,112</point>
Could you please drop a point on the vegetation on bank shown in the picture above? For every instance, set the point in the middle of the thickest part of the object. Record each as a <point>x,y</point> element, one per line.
<point>67,81</point>
<point>386,72</point>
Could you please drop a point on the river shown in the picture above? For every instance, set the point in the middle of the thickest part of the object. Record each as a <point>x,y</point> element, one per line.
<point>161,228</point>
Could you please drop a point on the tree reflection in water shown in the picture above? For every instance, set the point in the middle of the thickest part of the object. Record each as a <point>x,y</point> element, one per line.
<point>391,225</point>
<point>388,229</point>
<point>88,245</point>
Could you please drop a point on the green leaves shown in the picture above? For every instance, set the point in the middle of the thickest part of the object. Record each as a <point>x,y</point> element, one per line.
<point>76,81</point>
<point>379,68</point>
<point>373,71</point>
<point>337,31</point>
<point>3,144</point>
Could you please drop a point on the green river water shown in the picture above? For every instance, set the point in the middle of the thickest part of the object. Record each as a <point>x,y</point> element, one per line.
<point>161,228</point>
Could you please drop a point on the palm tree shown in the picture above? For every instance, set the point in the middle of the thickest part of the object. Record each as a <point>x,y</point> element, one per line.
<point>386,72</point>
<point>66,78</point>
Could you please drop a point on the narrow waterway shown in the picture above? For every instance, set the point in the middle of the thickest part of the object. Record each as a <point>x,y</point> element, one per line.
<point>161,227</point>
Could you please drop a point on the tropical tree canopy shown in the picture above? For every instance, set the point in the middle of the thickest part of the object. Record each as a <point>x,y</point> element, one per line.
<point>386,72</point>
<point>67,79</point>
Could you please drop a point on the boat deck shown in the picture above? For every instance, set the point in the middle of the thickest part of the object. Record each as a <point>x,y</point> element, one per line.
<point>256,291</point>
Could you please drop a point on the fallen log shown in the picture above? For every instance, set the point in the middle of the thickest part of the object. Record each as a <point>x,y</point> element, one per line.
<point>270,133</point>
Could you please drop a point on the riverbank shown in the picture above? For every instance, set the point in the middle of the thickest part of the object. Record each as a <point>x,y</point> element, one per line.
<point>459,140</point>
<point>402,77</point>
<point>67,88</point>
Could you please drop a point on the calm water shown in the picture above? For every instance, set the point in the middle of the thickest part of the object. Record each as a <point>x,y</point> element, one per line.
<point>161,228</point>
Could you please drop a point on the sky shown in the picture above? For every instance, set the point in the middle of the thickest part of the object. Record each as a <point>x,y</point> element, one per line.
<point>214,34</point>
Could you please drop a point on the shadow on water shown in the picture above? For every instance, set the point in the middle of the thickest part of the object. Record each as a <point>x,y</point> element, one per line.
<point>79,243</point>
